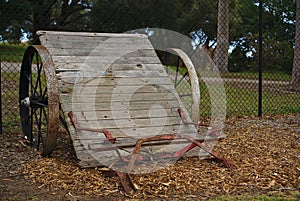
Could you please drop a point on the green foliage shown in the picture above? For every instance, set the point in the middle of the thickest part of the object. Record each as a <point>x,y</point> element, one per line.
<point>277,55</point>
<point>238,60</point>
<point>197,17</point>
<point>121,15</point>
<point>278,37</point>
<point>14,15</point>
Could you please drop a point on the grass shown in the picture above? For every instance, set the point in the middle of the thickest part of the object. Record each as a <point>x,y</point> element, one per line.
<point>287,196</point>
<point>11,76</point>
<point>267,75</point>
<point>274,75</point>
<point>245,102</point>
<point>12,52</point>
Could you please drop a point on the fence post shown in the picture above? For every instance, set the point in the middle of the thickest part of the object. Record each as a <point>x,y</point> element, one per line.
<point>260,61</point>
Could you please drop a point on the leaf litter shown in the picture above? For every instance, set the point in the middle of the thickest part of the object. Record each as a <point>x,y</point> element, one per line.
<point>264,150</point>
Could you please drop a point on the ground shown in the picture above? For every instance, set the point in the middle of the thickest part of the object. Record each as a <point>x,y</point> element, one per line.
<point>264,151</point>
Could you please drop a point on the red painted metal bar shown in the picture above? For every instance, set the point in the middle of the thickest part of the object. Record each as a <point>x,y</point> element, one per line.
<point>78,127</point>
<point>139,143</point>
<point>126,182</point>
<point>184,150</point>
<point>215,132</point>
<point>183,117</point>
<point>124,178</point>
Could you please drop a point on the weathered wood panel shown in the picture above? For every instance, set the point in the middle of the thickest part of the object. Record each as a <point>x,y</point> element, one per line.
<point>153,112</point>
<point>130,51</point>
<point>94,89</point>
<point>62,67</point>
<point>123,81</point>
<point>107,106</point>
<point>114,82</point>
<point>138,132</point>
<point>105,60</point>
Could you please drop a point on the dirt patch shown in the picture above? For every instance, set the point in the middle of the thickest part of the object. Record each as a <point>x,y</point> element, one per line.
<point>265,152</point>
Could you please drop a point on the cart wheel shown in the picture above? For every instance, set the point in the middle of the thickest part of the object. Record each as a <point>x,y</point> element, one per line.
<point>39,99</point>
<point>186,83</point>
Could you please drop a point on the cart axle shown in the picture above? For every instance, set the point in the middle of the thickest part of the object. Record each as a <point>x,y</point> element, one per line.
<point>35,102</point>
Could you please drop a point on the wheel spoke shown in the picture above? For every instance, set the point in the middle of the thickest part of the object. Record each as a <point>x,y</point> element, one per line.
<point>176,84</point>
<point>39,123</point>
<point>45,93</point>
<point>27,76</point>
<point>33,110</point>
<point>45,115</point>
<point>38,79</point>
<point>185,95</point>
<point>176,75</point>
<point>31,126</point>
<point>39,67</point>
<point>31,84</point>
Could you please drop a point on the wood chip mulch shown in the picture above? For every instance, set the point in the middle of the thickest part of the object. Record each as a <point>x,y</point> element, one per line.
<point>264,150</point>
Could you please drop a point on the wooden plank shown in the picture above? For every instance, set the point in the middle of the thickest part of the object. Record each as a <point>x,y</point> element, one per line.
<point>73,67</point>
<point>94,89</point>
<point>66,76</point>
<point>93,45</point>
<point>97,68</point>
<point>102,52</point>
<point>107,106</point>
<point>101,140</point>
<point>104,145</point>
<point>122,81</point>
<point>153,112</point>
<point>128,98</point>
<point>43,33</point>
<point>108,60</point>
<point>111,38</point>
<point>127,122</point>
<point>114,91</point>
<point>138,132</point>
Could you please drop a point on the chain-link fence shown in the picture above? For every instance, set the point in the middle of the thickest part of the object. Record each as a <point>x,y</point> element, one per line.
<point>10,70</point>
<point>240,76</point>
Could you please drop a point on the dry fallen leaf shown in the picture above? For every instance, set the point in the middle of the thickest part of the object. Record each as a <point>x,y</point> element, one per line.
<point>259,148</point>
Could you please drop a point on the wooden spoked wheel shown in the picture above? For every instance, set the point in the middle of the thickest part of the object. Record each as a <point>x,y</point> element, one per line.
<point>39,99</point>
<point>186,83</point>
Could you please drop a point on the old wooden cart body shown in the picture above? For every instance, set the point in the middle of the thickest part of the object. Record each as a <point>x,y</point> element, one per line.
<point>117,99</point>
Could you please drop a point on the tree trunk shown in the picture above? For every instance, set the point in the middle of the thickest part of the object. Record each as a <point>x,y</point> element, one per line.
<point>295,83</point>
<point>221,57</point>
<point>41,15</point>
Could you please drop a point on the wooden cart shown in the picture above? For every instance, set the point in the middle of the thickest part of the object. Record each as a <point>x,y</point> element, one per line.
<point>119,104</point>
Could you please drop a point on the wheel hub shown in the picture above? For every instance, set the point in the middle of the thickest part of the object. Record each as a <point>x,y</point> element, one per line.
<point>35,102</point>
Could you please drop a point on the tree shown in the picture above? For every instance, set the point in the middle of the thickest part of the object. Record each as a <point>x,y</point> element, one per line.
<point>28,16</point>
<point>59,15</point>
<point>125,15</point>
<point>186,17</point>
<point>221,58</point>
<point>296,66</point>
<point>14,15</point>
<point>278,35</point>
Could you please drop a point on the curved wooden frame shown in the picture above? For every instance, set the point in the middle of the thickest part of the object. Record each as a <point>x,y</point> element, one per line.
<point>51,91</point>
<point>195,116</point>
